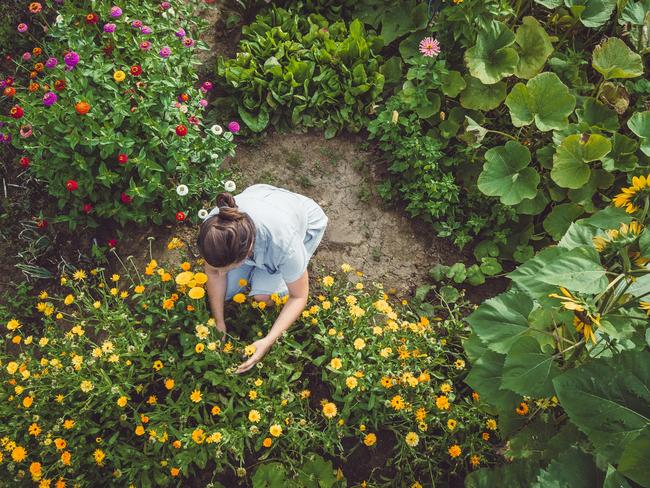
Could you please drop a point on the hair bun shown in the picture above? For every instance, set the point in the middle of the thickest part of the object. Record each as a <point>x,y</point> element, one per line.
<point>225,199</point>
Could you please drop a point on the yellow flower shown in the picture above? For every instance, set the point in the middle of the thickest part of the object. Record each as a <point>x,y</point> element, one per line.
<point>442,402</point>
<point>68,299</point>
<point>114,291</point>
<point>254,416</point>
<point>99,456</point>
<point>454,451</point>
<point>446,388</point>
<point>216,410</point>
<point>359,344</point>
<point>86,386</point>
<point>328,281</point>
<point>18,454</point>
<point>491,424</point>
<point>412,439</point>
<point>184,278</point>
<point>199,348</point>
<point>97,304</point>
<point>346,268</point>
<point>351,382</point>
<point>397,402</point>
<point>198,436</point>
<point>370,439</point>
<point>252,394</point>
<point>196,293</point>
<point>157,365</point>
<point>139,289</point>
<point>451,424</point>
<point>275,430</point>
<point>336,363</point>
<point>243,282</point>
<point>329,410</point>
<point>196,396</point>
<point>169,383</point>
<point>267,442</point>
<point>68,424</point>
<point>185,266</point>
<point>327,305</point>
<point>119,76</point>
<point>359,286</point>
<point>645,306</point>
<point>121,402</point>
<point>474,460</point>
<point>12,367</point>
<point>249,350</point>
<point>459,364</point>
<point>304,394</point>
<point>239,298</point>
<point>139,430</point>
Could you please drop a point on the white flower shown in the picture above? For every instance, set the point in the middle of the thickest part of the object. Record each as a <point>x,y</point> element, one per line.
<point>216,129</point>
<point>183,108</point>
<point>59,19</point>
<point>203,214</point>
<point>230,186</point>
<point>182,190</point>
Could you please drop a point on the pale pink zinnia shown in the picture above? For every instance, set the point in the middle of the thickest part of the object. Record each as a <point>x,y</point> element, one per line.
<point>430,47</point>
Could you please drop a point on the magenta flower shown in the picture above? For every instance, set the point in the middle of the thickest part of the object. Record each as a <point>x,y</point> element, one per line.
<point>49,99</point>
<point>194,120</point>
<point>51,62</point>
<point>188,42</point>
<point>27,56</point>
<point>71,59</point>
<point>206,86</point>
<point>22,28</point>
<point>109,28</point>
<point>429,47</point>
<point>166,5</point>
<point>137,24</point>
<point>5,138</point>
<point>165,52</point>
<point>116,12</point>
<point>145,45</point>
<point>180,32</point>
<point>233,127</point>
<point>146,30</point>
<point>203,102</point>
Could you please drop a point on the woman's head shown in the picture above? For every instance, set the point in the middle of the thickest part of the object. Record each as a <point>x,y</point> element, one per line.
<point>228,237</point>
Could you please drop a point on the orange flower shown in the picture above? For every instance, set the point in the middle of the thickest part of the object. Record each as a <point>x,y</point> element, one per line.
<point>82,108</point>
<point>522,409</point>
<point>267,442</point>
<point>174,471</point>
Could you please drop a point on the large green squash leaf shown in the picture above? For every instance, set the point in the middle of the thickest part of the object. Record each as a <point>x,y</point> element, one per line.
<point>544,99</point>
<point>639,123</point>
<point>453,83</point>
<point>491,58</point>
<point>477,96</point>
<point>500,321</point>
<point>558,221</point>
<point>622,157</point>
<point>592,13</point>
<point>609,400</point>
<point>517,474</point>
<point>614,479</point>
<point>534,48</point>
<point>570,169</point>
<point>598,115</point>
<point>572,469</point>
<point>507,174</point>
<point>635,461</point>
<point>527,370</point>
<point>613,59</point>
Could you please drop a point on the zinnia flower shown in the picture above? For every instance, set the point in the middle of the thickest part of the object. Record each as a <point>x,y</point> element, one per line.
<point>35,7</point>
<point>27,56</point>
<point>136,70</point>
<point>233,127</point>
<point>180,33</point>
<point>26,131</point>
<point>71,60</point>
<point>206,86</point>
<point>165,52</point>
<point>119,76</point>
<point>49,99</point>
<point>92,18</point>
<point>125,198</point>
<point>216,129</point>
<point>16,112</point>
<point>109,28</point>
<point>72,185</point>
<point>203,213</point>
<point>188,42</point>
<point>229,186</point>
<point>115,12</point>
<point>51,62</point>
<point>182,190</point>
<point>429,47</point>
<point>136,24</point>
<point>145,45</point>
<point>22,28</point>
<point>146,30</point>
<point>181,130</point>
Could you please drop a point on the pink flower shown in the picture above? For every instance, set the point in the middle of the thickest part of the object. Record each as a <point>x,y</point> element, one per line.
<point>26,131</point>
<point>165,52</point>
<point>429,47</point>
<point>22,28</point>
<point>233,127</point>
<point>206,86</point>
<point>27,56</point>
<point>203,102</point>
<point>137,24</point>
<point>145,45</point>
<point>193,120</point>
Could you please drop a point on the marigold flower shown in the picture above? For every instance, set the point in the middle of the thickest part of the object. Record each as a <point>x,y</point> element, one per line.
<point>18,454</point>
<point>329,410</point>
<point>370,439</point>
<point>196,396</point>
<point>442,403</point>
<point>454,451</point>
<point>82,108</point>
<point>254,416</point>
<point>239,298</point>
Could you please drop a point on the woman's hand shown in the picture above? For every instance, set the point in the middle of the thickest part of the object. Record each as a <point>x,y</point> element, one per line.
<point>221,327</point>
<point>262,346</point>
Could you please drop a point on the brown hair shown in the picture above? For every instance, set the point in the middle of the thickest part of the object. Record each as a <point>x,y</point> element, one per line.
<point>227,237</point>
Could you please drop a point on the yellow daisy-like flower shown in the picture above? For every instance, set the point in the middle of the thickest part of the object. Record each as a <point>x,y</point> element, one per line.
<point>139,430</point>
<point>585,324</point>
<point>199,348</point>
<point>121,402</point>
<point>346,268</point>
<point>68,299</point>
<point>196,293</point>
<point>254,416</point>
<point>442,403</point>
<point>158,365</point>
<point>243,282</point>
<point>138,289</point>
<point>169,383</point>
<point>196,396</point>
<point>645,306</point>
<point>459,364</point>
<point>13,324</point>
<point>249,350</point>
<point>275,430</point>
<point>474,460</point>
<point>351,382</point>
<point>336,363</point>
<point>267,442</point>
<point>239,298</point>
<point>370,439</point>
<point>86,386</point>
<point>184,278</point>
<point>328,281</point>
<point>329,410</point>
<point>18,454</point>
<point>79,275</point>
<point>451,424</point>
<point>359,344</point>
<point>628,198</point>
<point>454,451</point>
<point>99,456</point>
<point>412,439</point>
<point>198,436</point>
<point>119,76</point>
<point>397,402</point>
<point>491,424</point>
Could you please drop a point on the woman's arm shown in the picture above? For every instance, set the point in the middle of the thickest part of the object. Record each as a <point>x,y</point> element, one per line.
<point>216,287</point>
<point>298,296</point>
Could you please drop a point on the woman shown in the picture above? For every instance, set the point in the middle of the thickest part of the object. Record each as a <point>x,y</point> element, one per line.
<point>265,235</point>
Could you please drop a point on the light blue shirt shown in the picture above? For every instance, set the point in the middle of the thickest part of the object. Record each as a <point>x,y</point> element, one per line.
<point>288,226</point>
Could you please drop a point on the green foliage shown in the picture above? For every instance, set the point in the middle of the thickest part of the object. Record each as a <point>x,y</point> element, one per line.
<point>294,70</point>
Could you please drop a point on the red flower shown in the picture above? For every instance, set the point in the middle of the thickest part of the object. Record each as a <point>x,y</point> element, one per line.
<point>122,158</point>
<point>16,112</point>
<point>181,130</point>
<point>183,97</point>
<point>71,185</point>
<point>82,108</point>
<point>180,216</point>
<point>92,18</point>
<point>87,208</point>
<point>59,85</point>
<point>24,162</point>
<point>112,243</point>
<point>9,80</point>
<point>136,70</point>
<point>41,223</point>
<point>108,50</point>
<point>125,198</point>
<point>9,91</point>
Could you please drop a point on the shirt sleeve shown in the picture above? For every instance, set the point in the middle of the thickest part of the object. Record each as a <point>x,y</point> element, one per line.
<point>294,262</point>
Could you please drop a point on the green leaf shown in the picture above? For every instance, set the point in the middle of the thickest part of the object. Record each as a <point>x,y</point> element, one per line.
<point>528,371</point>
<point>478,96</point>
<point>549,3</point>
<point>534,48</point>
<point>506,174</point>
<point>592,13</point>
<point>485,378</point>
<point>598,115</point>
<point>452,83</point>
<point>572,469</point>
<point>491,59</point>
<point>609,400</point>
<point>544,99</point>
<point>569,162</point>
<point>639,123</point>
<point>614,479</point>
<point>256,123</point>
<point>392,70</point>
<point>635,462</point>
<point>490,266</point>
<point>500,321</point>
<point>271,475</point>
<point>644,243</point>
<point>533,206</point>
<point>475,277</point>
<point>622,157</point>
<point>519,473</point>
<point>613,59</point>
<point>485,249</point>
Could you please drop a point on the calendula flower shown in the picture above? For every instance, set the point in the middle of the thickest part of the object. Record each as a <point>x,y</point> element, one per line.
<point>329,410</point>
<point>336,363</point>
<point>254,416</point>
<point>454,451</point>
<point>239,298</point>
<point>196,293</point>
<point>275,430</point>
<point>412,439</point>
<point>442,403</point>
<point>370,439</point>
<point>196,396</point>
<point>359,344</point>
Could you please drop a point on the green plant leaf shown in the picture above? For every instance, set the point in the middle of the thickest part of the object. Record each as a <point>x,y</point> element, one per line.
<point>598,115</point>
<point>569,162</point>
<point>544,99</point>
<point>392,70</point>
<point>558,221</point>
<point>644,243</point>
<point>639,123</point>
<point>485,377</point>
<point>534,48</point>
<point>477,96</point>
<point>571,469</point>
<point>500,321</point>
<point>256,123</point>
<point>533,206</point>
<point>583,196</point>
<point>453,83</point>
<point>609,400</point>
<point>635,462</point>
<point>592,13</point>
<point>491,58</point>
<point>506,174</point>
<point>490,266</point>
<point>614,479</point>
<point>622,157</point>
<point>474,275</point>
<point>613,59</point>
<point>528,371</point>
<point>518,473</point>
